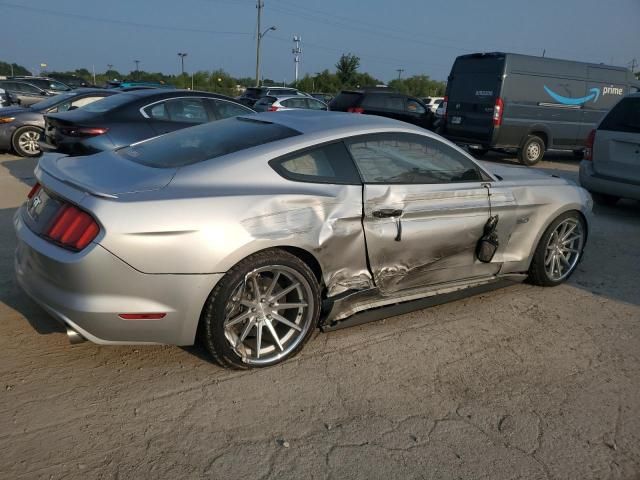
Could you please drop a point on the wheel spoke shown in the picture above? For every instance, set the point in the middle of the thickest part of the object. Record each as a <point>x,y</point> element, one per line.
<point>564,260</point>
<point>549,259</point>
<point>238,319</point>
<point>570,250</point>
<point>273,284</point>
<point>572,239</point>
<point>274,334</point>
<point>288,306</point>
<point>245,332</point>
<point>285,291</point>
<point>564,236</point>
<point>288,323</point>
<point>258,339</point>
<point>255,286</point>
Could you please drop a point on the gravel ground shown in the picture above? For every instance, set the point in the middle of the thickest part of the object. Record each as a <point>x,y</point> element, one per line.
<point>524,382</point>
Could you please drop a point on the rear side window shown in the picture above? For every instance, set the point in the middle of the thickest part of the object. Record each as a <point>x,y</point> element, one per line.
<point>226,109</point>
<point>295,103</point>
<point>325,164</point>
<point>204,142</point>
<point>624,117</point>
<point>414,107</point>
<point>383,102</point>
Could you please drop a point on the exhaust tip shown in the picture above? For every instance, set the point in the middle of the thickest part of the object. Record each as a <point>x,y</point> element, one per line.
<point>74,337</point>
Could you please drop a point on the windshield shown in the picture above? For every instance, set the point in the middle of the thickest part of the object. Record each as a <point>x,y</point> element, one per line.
<point>108,103</point>
<point>53,101</point>
<point>204,142</point>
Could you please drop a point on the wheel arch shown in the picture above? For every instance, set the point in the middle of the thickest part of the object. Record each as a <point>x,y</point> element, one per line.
<point>539,130</point>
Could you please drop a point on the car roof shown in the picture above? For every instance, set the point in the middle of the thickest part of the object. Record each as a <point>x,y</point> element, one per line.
<point>315,121</point>
<point>168,93</point>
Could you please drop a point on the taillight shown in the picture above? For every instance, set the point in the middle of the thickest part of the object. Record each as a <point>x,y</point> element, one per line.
<point>445,103</point>
<point>355,110</point>
<point>35,189</point>
<point>72,228</point>
<point>273,109</point>
<point>83,131</point>
<point>498,110</point>
<point>588,151</point>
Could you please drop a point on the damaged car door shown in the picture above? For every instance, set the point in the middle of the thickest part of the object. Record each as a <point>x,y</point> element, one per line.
<point>425,208</point>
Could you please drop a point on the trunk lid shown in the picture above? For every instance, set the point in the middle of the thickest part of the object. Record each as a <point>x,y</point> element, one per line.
<point>105,174</point>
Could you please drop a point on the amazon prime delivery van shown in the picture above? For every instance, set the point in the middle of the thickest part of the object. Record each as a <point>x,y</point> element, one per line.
<point>529,104</point>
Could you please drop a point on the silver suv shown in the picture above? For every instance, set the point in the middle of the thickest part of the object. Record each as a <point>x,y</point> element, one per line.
<point>611,167</point>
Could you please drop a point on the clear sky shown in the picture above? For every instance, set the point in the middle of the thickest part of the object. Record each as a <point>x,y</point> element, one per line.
<point>419,36</point>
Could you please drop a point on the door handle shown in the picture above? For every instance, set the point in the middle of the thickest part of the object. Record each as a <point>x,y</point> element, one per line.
<point>387,213</point>
<point>391,213</point>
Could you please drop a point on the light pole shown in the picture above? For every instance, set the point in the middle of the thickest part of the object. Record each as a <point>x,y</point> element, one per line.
<point>137,62</point>
<point>109,67</point>
<point>259,6</point>
<point>182,55</point>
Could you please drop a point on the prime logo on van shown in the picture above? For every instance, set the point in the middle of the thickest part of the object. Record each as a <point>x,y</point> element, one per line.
<point>593,95</point>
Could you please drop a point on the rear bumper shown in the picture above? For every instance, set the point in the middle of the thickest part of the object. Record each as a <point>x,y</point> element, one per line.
<point>594,183</point>
<point>87,290</point>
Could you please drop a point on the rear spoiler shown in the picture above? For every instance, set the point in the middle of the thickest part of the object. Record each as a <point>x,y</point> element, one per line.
<point>47,165</point>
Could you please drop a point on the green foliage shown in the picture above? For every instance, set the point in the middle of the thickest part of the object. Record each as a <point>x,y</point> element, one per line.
<point>5,69</point>
<point>418,86</point>
<point>219,81</point>
<point>347,69</point>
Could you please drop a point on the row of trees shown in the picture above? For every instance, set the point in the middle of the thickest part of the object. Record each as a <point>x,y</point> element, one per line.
<point>346,75</point>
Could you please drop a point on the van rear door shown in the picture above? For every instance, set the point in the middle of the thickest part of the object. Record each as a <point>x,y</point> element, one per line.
<point>473,87</point>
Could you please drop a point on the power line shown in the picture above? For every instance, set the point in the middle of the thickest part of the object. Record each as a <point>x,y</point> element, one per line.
<point>119,22</point>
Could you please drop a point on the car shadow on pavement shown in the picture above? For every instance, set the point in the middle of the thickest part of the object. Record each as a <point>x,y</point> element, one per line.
<point>10,293</point>
<point>22,169</point>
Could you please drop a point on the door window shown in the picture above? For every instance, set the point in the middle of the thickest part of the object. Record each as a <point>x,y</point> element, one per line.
<point>415,107</point>
<point>182,110</point>
<point>326,164</point>
<point>411,159</point>
<point>295,103</point>
<point>315,104</point>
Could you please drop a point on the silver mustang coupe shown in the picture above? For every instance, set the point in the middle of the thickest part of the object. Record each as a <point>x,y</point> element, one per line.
<point>251,232</point>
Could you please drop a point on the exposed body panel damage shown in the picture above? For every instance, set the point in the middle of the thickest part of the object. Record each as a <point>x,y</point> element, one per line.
<point>330,228</point>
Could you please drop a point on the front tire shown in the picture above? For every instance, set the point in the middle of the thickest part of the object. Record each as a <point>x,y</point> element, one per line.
<point>532,151</point>
<point>559,250</point>
<point>25,141</point>
<point>262,311</point>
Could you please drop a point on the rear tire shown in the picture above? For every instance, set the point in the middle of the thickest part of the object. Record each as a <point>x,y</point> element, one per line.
<point>25,141</point>
<point>262,311</point>
<point>532,151</point>
<point>559,250</point>
<point>604,199</point>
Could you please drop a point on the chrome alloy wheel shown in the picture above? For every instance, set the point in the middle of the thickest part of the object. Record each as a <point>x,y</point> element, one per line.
<point>564,249</point>
<point>268,314</point>
<point>28,142</point>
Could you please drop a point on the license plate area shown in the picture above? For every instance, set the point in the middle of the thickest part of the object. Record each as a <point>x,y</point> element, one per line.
<point>41,209</point>
<point>456,120</point>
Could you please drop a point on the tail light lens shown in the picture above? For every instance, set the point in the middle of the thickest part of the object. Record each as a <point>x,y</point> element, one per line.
<point>72,228</point>
<point>498,110</point>
<point>273,109</point>
<point>355,110</point>
<point>83,131</point>
<point>445,103</point>
<point>34,190</point>
<point>588,151</point>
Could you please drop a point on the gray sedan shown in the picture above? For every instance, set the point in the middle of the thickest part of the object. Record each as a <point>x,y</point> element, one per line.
<point>253,231</point>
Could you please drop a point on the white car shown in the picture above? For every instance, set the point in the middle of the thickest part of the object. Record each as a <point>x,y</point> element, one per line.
<point>272,103</point>
<point>611,166</point>
<point>433,103</point>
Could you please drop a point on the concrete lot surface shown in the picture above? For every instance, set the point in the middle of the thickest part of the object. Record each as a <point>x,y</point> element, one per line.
<point>520,383</point>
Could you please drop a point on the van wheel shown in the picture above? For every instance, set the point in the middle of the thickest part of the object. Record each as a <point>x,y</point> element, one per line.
<point>532,151</point>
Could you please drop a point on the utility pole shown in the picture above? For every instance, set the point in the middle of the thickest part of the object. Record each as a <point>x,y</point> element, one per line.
<point>297,51</point>
<point>544,51</point>
<point>11,64</point>
<point>259,6</point>
<point>633,62</point>
<point>399,70</point>
<point>137,62</point>
<point>109,66</point>
<point>182,55</point>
